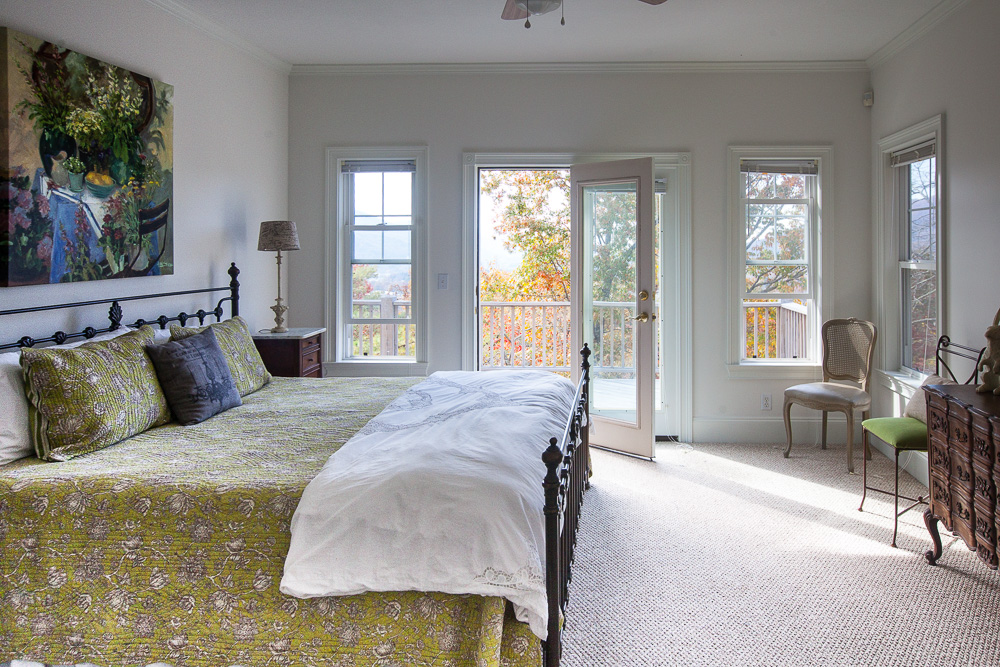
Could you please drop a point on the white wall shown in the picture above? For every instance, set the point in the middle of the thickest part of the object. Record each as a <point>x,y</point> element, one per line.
<point>955,70</point>
<point>230,153</point>
<point>701,112</point>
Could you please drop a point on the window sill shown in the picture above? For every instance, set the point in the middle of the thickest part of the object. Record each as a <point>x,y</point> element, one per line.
<point>899,382</point>
<point>375,368</point>
<point>775,371</point>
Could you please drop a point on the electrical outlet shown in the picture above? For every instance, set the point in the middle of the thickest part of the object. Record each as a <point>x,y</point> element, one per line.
<point>442,281</point>
<point>765,401</point>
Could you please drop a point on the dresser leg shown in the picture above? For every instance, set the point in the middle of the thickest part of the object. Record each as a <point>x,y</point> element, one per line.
<point>931,522</point>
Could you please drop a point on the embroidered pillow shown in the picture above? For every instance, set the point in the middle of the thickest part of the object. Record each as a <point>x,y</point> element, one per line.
<point>87,398</point>
<point>916,407</point>
<point>236,343</point>
<point>195,377</point>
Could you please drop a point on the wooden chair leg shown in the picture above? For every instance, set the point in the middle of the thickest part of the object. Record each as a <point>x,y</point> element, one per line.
<point>850,441</point>
<point>823,441</point>
<point>788,427</point>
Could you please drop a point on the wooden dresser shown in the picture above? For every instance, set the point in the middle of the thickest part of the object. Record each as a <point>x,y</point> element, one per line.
<point>294,353</point>
<point>963,445</point>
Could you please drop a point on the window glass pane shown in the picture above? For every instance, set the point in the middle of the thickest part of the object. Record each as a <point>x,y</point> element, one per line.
<point>791,234</point>
<point>381,291</point>
<point>775,329</point>
<point>368,220</point>
<point>920,311</point>
<point>760,232</point>
<point>790,186</point>
<point>368,245</point>
<point>922,183</point>
<point>397,245</point>
<point>922,235</point>
<point>398,193</point>
<point>759,186</point>
<point>367,193</point>
<point>383,340</point>
<point>398,220</point>
<point>777,279</point>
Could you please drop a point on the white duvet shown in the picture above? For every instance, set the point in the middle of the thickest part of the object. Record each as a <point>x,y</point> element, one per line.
<point>442,491</point>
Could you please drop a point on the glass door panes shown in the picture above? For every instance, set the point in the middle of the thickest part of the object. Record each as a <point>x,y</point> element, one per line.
<point>609,284</point>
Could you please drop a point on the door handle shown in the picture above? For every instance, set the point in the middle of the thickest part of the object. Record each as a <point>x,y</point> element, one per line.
<point>642,317</point>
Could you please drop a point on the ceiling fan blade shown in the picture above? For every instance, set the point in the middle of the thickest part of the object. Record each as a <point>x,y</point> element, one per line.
<point>653,2</point>
<point>511,12</point>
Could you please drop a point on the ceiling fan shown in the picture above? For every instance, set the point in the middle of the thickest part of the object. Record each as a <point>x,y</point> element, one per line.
<point>524,9</point>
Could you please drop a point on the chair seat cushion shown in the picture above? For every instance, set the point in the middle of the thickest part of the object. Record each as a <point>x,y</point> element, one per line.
<point>898,432</point>
<point>828,396</point>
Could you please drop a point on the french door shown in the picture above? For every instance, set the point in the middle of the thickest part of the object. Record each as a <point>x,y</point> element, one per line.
<point>613,288</point>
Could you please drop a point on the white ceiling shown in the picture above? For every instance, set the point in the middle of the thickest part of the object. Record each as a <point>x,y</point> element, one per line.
<point>327,32</point>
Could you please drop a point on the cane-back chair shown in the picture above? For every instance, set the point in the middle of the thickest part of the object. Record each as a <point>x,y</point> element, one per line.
<point>848,346</point>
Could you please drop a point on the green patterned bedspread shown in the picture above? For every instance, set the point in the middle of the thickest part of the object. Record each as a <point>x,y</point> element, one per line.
<point>169,547</point>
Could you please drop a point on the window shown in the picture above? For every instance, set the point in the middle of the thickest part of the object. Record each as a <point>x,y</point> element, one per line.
<point>916,177</point>
<point>908,229</point>
<point>378,199</point>
<point>776,216</point>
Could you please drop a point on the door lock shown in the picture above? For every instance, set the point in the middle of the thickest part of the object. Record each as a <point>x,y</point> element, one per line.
<point>643,295</point>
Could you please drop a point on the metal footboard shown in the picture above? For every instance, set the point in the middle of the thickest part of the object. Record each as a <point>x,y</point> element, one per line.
<point>567,461</point>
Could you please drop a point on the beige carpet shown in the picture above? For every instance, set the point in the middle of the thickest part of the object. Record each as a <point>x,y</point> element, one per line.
<point>733,555</point>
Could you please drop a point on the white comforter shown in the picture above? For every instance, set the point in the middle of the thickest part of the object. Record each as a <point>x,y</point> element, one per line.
<point>442,491</point>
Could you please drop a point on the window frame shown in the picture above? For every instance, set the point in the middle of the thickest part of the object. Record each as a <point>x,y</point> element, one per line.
<point>338,264</point>
<point>821,226</point>
<point>889,243</point>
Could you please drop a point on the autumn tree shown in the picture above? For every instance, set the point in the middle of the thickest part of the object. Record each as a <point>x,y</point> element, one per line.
<point>534,221</point>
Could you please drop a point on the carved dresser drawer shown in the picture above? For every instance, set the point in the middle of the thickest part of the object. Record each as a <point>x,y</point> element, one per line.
<point>964,467</point>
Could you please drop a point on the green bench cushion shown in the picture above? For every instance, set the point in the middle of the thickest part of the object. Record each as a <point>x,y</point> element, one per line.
<point>899,432</point>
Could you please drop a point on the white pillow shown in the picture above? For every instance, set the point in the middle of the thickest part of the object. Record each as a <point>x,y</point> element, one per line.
<point>15,436</point>
<point>160,335</point>
<point>916,407</point>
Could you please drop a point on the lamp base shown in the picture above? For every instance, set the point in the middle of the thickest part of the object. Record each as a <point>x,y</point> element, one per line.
<point>279,320</point>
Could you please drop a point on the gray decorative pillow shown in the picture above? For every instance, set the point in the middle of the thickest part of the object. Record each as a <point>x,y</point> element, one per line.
<point>195,377</point>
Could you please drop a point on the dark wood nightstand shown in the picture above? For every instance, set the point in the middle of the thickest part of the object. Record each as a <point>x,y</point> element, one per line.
<point>294,353</point>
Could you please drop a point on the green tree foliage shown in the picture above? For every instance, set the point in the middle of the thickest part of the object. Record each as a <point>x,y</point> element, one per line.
<point>533,220</point>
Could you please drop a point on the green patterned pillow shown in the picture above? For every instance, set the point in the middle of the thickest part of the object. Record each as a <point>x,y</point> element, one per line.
<point>236,342</point>
<point>84,399</point>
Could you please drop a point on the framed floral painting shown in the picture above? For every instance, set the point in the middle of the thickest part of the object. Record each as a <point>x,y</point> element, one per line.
<point>86,180</point>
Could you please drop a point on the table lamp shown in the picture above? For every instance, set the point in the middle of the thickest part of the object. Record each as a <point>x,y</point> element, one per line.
<point>278,235</point>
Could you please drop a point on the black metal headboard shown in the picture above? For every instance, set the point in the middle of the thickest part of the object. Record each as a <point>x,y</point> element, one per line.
<point>115,313</point>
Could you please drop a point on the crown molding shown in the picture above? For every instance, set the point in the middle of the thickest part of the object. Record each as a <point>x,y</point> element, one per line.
<point>918,29</point>
<point>579,68</point>
<point>221,33</point>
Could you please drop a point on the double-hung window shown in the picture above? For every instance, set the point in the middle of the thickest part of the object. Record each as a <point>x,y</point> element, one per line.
<point>908,228</point>
<point>378,198</point>
<point>916,186</point>
<point>776,220</point>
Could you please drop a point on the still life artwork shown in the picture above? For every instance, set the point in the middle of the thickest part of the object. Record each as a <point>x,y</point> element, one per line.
<point>87,170</point>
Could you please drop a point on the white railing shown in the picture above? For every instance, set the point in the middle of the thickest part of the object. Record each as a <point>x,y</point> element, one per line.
<point>367,339</point>
<point>775,330</point>
<point>537,335</point>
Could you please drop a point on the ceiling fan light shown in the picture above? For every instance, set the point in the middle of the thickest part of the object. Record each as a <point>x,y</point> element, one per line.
<point>535,7</point>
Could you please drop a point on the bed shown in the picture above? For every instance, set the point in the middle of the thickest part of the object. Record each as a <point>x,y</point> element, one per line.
<point>170,546</point>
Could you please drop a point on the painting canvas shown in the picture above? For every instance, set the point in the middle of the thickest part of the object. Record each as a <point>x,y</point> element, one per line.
<point>86,178</point>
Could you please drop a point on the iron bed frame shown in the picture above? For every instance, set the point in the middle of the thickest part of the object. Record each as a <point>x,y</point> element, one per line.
<point>567,458</point>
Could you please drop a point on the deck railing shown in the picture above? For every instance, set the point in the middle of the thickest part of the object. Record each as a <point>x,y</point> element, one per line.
<point>775,330</point>
<point>369,340</point>
<point>535,334</point>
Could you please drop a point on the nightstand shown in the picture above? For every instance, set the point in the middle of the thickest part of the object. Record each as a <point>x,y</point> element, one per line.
<point>294,353</point>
